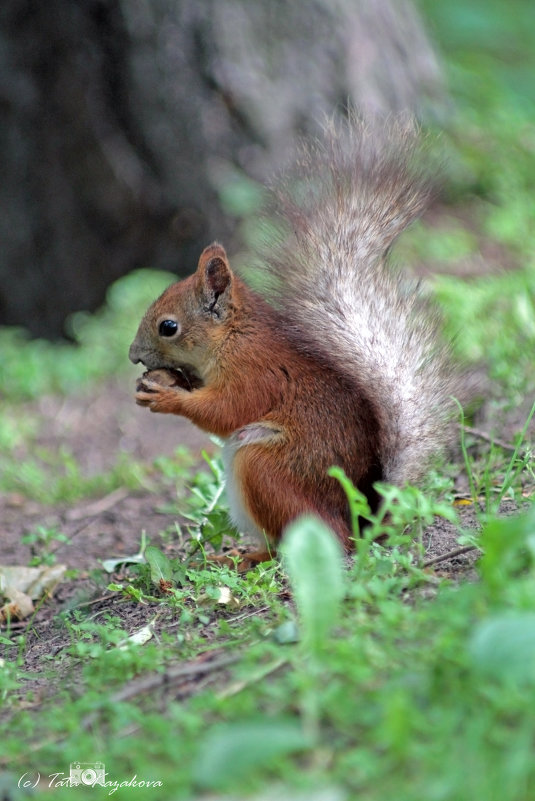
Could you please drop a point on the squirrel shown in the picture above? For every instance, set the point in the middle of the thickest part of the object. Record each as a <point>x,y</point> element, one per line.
<point>340,363</point>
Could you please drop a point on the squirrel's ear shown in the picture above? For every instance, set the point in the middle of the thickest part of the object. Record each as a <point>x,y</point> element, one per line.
<point>215,279</point>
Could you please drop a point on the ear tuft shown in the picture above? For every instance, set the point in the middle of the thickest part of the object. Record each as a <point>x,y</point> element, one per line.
<point>213,251</point>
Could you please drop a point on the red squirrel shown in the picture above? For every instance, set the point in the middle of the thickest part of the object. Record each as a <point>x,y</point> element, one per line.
<point>340,364</point>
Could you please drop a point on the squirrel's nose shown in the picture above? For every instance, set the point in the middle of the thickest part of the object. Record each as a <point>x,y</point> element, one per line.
<point>134,353</point>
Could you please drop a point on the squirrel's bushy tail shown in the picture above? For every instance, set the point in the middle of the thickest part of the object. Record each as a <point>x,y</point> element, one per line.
<point>341,209</point>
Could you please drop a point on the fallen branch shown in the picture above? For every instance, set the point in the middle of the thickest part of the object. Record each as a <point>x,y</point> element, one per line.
<point>167,679</point>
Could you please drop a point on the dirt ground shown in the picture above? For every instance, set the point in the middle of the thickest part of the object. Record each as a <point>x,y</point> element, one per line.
<point>96,429</point>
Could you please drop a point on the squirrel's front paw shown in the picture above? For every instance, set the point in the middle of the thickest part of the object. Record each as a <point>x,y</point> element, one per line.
<point>159,390</point>
<point>147,392</point>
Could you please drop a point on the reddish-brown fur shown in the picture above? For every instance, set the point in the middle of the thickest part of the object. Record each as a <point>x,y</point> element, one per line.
<point>253,372</point>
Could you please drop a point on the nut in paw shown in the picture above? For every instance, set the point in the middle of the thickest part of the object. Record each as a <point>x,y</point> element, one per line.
<point>167,377</point>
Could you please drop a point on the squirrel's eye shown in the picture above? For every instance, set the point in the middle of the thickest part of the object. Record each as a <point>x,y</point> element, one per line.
<point>167,328</point>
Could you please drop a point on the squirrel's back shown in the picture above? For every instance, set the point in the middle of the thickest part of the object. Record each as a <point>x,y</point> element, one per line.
<point>341,210</point>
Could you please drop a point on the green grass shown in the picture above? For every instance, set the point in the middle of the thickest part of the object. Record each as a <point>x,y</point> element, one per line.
<point>395,684</point>
<point>52,476</point>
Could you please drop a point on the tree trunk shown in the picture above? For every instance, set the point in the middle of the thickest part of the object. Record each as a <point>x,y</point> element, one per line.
<point>121,119</point>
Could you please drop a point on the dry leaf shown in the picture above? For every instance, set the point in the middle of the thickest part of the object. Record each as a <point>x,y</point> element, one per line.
<point>20,606</point>
<point>139,637</point>
<point>20,585</point>
<point>227,598</point>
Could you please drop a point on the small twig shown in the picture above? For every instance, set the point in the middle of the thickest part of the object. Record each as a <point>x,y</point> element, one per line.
<point>238,686</point>
<point>250,613</point>
<point>96,600</point>
<point>450,555</point>
<point>476,432</point>
<point>96,508</point>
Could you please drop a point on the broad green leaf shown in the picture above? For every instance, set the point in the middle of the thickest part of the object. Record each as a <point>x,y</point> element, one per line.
<point>504,647</point>
<point>313,559</point>
<point>230,752</point>
<point>287,633</point>
<point>111,565</point>
<point>160,566</point>
<point>506,545</point>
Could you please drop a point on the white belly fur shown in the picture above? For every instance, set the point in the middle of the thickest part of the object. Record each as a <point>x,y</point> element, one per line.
<point>239,516</point>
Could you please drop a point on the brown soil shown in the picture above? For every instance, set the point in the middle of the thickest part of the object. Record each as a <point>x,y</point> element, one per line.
<point>96,430</point>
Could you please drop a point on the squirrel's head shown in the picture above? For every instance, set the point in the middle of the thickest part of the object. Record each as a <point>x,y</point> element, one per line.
<point>183,326</point>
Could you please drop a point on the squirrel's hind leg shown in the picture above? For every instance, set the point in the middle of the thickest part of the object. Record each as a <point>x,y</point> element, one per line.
<point>265,497</point>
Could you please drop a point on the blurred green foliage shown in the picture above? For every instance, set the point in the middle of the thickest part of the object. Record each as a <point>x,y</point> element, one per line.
<point>487,49</point>
<point>33,368</point>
